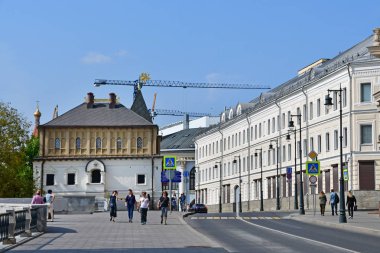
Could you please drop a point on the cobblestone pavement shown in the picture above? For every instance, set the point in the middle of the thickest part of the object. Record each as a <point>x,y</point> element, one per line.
<point>95,233</point>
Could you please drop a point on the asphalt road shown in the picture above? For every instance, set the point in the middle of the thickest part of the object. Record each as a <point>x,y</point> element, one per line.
<point>279,234</point>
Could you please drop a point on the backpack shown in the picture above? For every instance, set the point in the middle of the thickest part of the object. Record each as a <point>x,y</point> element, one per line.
<point>336,198</point>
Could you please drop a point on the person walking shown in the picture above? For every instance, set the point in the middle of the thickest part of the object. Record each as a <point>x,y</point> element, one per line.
<point>144,204</point>
<point>113,206</point>
<point>130,202</point>
<point>322,202</point>
<point>163,204</point>
<point>350,203</point>
<point>334,200</point>
<point>37,199</point>
<point>49,197</point>
<point>182,201</point>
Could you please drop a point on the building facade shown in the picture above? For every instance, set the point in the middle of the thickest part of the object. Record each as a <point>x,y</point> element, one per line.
<point>245,133</point>
<point>98,147</point>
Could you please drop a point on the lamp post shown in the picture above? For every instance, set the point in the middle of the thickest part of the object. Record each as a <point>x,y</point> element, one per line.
<point>220,184</point>
<point>277,177</point>
<point>261,178</point>
<point>234,161</point>
<point>197,197</point>
<point>295,167</point>
<point>329,103</point>
<point>291,126</point>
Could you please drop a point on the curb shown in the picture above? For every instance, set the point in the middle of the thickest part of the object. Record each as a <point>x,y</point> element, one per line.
<point>346,227</point>
<point>27,239</point>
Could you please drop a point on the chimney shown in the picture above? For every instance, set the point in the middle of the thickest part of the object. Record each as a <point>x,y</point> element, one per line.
<point>186,121</point>
<point>112,100</point>
<point>90,100</point>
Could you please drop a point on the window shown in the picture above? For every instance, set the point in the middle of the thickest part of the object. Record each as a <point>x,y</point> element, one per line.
<point>304,113</point>
<point>71,178</point>
<point>318,107</point>
<point>229,142</point>
<point>311,144</point>
<point>255,132</point>
<point>305,148</point>
<point>98,143</point>
<point>57,143</point>
<point>274,151</point>
<point>95,176</point>
<point>268,132</point>
<point>345,137</point>
<point>298,149</point>
<point>278,123</point>
<point>118,143</point>
<point>233,141</point>
<point>77,143</point>
<point>335,139</point>
<point>141,179</point>
<point>256,164</point>
<point>49,179</point>
<point>311,110</point>
<point>268,160</point>
<point>224,144</point>
<point>192,179</point>
<point>139,142</point>
<point>289,152</point>
<point>335,101</point>
<point>283,120</point>
<point>236,139</point>
<point>319,144</point>
<point>289,116</point>
<point>365,92</point>
<point>243,136</point>
<point>243,164</point>
<point>366,134</point>
<point>260,130</point>
<point>284,153</point>
<point>344,97</point>
<point>273,125</point>
<point>327,142</point>
<point>251,133</point>
<point>298,113</point>
<point>240,138</point>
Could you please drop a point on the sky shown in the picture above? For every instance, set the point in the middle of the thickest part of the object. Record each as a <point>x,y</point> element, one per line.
<point>52,51</point>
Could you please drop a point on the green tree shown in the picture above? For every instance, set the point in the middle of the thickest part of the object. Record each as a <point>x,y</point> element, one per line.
<point>17,151</point>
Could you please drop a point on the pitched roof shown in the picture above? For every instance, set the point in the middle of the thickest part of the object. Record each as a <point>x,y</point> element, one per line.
<point>99,115</point>
<point>183,139</point>
<point>139,106</point>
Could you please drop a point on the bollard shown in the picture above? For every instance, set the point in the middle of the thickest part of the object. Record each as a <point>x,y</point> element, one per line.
<point>28,219</point>
<point>11,228</point>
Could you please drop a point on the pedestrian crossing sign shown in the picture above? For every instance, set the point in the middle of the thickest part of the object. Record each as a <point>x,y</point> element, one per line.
<point>170,162</point>
<point>313,168</point>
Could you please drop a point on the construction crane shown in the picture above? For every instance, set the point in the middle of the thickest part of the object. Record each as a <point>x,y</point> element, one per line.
<point>144,80</point>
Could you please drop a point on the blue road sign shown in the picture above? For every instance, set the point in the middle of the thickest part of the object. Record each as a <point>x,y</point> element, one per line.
<point>186,173</point>
<point>313,168</point>
<point>289,173</point>
<point>164,177</point>
<point>170,162</point>
<point>177,177</point>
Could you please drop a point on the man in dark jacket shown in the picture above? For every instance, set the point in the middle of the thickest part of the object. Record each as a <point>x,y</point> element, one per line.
<point>130,202</point>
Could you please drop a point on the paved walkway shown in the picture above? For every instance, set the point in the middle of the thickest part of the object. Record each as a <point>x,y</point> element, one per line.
<point>95,233</point>
<point>363,221</point>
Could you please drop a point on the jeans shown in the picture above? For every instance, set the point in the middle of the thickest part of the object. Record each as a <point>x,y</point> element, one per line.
<point>334,206</point>
<point>351,210</point>
<point>130,212</point>
<point>164,211</point>
<point>144,212</point>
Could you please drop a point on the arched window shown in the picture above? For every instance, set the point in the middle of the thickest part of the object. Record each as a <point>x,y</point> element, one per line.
<point>77,143</point>
<point>231,114</point>
<point>57,143</point>
<point>118,143</point>
<point>95,176</point>
<point>139,142</point>
<point>192,179</point>
<point>98,143</point>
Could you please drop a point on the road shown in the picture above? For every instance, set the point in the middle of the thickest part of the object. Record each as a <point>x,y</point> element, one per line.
<point>275,232</point>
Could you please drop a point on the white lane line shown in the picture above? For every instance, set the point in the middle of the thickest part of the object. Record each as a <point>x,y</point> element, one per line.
<point>300,237</point>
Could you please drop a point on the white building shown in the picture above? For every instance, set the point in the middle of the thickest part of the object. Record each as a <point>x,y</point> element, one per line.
<point>252,126</point>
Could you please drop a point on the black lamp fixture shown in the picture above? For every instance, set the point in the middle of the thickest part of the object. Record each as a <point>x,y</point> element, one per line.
<point>291,125</point>
<point>288,137</point>
<point>270,146</point>
<point>328,101</point>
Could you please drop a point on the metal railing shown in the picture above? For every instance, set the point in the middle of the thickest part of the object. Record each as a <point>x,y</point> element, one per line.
<point>4,224</point>
<point>20,217</point>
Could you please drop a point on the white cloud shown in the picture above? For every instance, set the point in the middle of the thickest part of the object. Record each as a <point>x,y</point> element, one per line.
<point>121,53</point>
<point>95,58</point>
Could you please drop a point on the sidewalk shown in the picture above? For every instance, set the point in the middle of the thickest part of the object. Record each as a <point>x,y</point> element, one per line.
<point>95,233</point>
<point>364,221</point>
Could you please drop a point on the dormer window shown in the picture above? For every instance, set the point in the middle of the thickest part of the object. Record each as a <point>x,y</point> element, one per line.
<point>238,110</point>
<point>77,143</point>
<point>231,114</point>
<point>139,142</point>
<point>57,143</point>
<point>98,143</point>
<point>118,143</point>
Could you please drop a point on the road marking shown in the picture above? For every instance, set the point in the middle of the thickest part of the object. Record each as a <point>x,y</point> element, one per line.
<point>300,237</point>
<point>234,218</point>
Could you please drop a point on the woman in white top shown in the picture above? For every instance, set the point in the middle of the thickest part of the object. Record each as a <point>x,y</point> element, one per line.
<point>144,204</point>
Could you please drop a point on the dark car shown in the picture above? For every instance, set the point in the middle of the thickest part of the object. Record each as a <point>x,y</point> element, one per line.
<point>198,208</point>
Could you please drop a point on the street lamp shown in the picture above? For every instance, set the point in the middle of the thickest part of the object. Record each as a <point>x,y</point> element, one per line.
<point>220,184</point>
<point>277,179</point>
<point>261,179</point>
<point>329,103</point>
<point>291,127</point>
<point>235,161</point>
<point>295,167</point>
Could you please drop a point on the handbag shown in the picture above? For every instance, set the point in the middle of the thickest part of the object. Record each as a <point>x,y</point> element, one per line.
<point>355,207</point>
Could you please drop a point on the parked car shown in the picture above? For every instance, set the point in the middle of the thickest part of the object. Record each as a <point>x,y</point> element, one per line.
<point>198,208</point>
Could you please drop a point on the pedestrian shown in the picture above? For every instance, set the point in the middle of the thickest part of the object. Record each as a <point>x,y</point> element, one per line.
<point>49,199</point>
<point>144,204</point>
<point>350,203</point>
<point>113,206</point>
<point>130,202</point>
<point>334,200</point>
<point>183,202</point>
<point>37,199</point>
<point>163,204</point>
<point>322,202</point>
